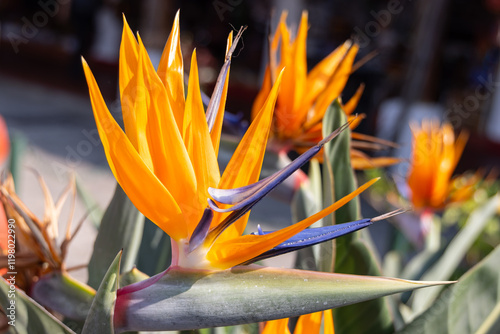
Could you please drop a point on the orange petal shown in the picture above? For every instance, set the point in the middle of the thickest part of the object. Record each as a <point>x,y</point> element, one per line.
<point>245,165</point>
<point>129,56</point>
<point>139,183</point>
<point>359,163</point>
<point>197,138</point>
<point>281,35</point>
<point>171,71</point>
<point>284,111</point>
<point>445,158</point>
<point>422,166</point>
<point>353,102</point>
<point>217,128</point>
<point>135,112</point>
<point>232,252</point>
<point>355,121</point>
<point>328,327</point>
<point>263,93</point>
<point>334,88</point>
<point>321,74</point>
<point>279,326</point>
<point>289,115</point>
<point>459,146</point>
<point>311,136</point>
<point>309,323</point>
<point>164,139</point>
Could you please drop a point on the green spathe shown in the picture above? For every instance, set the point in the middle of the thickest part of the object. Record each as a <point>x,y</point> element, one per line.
<point>188,299</point>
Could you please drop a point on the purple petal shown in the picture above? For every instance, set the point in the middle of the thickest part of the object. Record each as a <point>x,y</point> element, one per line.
<point>201,230</point>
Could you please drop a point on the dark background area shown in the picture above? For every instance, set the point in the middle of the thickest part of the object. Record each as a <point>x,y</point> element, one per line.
<point>437,52</point>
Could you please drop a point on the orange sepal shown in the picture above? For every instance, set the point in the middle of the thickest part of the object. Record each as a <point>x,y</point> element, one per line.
<point>198,142</point>
<point>130,170</point>
<point>171,71</point>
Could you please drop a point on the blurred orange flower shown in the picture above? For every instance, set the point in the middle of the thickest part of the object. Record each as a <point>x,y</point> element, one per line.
<point>305,97</point>
<point>436,153</point>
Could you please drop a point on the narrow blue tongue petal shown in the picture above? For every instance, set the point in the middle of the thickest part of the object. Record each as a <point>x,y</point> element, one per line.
<point>310,237</point>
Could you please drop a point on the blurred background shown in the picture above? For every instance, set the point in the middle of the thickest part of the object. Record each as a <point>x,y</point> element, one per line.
<point>437,58</point>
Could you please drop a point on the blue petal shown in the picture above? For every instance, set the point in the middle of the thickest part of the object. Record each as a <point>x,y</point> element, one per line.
<point>310,237</point>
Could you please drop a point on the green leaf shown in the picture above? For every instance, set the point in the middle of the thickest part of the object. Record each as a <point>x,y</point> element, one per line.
<point>100,317</point>
<point>121,228</point>
<point>26,314</point>
<point>155,251</point>
<point>59,292</point>
<point>132,276</point>
<point>455,252</point>
<point>470,306</point>
<point>190,299</point>
<point>18,143</point>
<point>305,203</point>
<point>338,157</point>
<point>353,252</point>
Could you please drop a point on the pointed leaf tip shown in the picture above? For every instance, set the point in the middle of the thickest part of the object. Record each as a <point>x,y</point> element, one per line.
<point>102,312</point>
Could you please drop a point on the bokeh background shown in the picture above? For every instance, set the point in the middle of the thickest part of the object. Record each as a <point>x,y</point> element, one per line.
<point>427,58</point>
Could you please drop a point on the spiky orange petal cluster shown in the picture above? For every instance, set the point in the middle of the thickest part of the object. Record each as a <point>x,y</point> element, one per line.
<point>305,97</point>
<point>435,155</point>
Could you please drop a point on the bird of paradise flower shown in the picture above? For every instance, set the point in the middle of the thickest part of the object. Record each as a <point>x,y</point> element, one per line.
<point>435,155</point>
<point>304,97</point>
<point>429,185</point>
<point>166,159</point>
